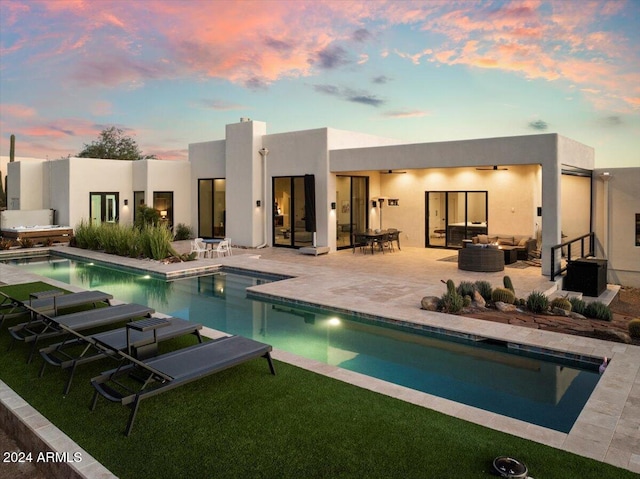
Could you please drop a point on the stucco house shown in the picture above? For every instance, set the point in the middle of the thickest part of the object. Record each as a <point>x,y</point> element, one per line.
<point>265,189</point>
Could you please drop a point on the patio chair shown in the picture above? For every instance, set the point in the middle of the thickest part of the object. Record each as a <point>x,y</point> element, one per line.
<point>361,241</point>
<point>49,301</point>
<point>199,247</point>
<point>394,235</point>
<point>138,338</point>
<point>223,249</point>
<point>384,242</point>
<point>228,240</point>
<point>171,370</point>
<point>42,326</point>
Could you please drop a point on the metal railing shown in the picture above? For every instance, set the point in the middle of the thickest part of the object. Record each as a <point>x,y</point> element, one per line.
<point>568,244</point>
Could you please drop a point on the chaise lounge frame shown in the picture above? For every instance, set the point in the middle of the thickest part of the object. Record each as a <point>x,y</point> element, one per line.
<point>174,369</point>
<point>138,338</point>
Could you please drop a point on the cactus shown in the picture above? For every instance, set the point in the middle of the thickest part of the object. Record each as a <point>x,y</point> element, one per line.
<point>466,288</point>
<point>484,288</point>
<point>537,302</point>
<point>562,303</point>
<point>451,286</point>
<point>466,301</point>
<point>12,149</point>
<point>450,302</point>
<point>577,305</point>
<point>634,328</point>
<point>508,284</point>
<point>503,294</point>
<point>598,310</point>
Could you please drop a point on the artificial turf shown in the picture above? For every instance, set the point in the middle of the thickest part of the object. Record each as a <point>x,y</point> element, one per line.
<point>246,423</point>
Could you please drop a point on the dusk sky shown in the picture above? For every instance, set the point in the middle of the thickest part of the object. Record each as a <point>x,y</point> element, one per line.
<point>174,72</point>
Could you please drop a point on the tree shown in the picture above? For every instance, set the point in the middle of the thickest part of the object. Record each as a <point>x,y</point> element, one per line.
<point>115,145</point>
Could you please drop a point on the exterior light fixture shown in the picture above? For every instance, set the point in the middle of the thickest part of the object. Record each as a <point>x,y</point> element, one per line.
<point>126,202</point>
<point>333,205</point>
<point>163,213</point>
<point>258,203</point>
<point>374,203</point>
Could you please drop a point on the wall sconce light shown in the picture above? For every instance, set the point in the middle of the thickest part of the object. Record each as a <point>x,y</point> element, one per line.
<point>374,203</point>
<point>333,205</point>
<point>258,203</point>
<point>126,202</point>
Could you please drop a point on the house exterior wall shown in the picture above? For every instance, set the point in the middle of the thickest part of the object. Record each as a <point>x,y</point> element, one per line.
<point>24,188</point>
<point>207,161</point>
<point>617,201</point>
<point>576,206</point>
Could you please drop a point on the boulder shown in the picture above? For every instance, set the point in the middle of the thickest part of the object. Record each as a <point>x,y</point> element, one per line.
<point>505,307</point>
<point>612,335</point>
<point>430,303</point>
<point>575,315</point>
<point>478,301</point>
<point>560,312</point>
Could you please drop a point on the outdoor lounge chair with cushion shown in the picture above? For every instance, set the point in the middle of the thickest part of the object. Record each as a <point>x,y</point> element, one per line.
<point>172,370</point>
<point>138,338</point>
<point>42,326</point>
<point>50,302</point>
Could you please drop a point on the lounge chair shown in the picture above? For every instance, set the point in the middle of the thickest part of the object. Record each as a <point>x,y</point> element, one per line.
<point>173,369</point>
<point>42,326</point>
<point>50,301</point>
<point>138,338</point>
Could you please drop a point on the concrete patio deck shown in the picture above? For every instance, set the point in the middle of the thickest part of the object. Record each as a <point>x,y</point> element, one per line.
<point>391,285</point>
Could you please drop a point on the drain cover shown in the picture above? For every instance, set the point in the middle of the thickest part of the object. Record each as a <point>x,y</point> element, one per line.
<point>509,467</point>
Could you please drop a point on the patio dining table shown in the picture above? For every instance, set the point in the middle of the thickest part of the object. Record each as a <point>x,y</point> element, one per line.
<point>374,236</point>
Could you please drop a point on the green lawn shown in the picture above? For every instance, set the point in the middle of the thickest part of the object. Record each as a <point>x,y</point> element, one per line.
<point>246,423</point>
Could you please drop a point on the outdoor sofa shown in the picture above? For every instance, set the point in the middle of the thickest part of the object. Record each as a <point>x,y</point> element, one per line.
<point>523,244</point>
<point>482,258</point>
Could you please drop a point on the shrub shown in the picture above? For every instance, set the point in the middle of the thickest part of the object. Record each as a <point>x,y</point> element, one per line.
<point>183,232</point>
<point>577,305</point>
<point>561,303</point>
<point>503,294</point>
<point>508,284</point>
<point>451,302</point>
<point>598,310</point>
<point>87,235</point>
<point>466,288</point>
<point>26,243</point>
<point>484,288</point>
<point>537,302</point>
<point>6,243</point>
<point>634,328</point>
<point>146,216</point>
<point>158,241</point>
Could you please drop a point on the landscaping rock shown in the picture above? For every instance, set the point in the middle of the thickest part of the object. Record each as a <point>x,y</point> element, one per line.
<point>478,301</point>
<point>505,307</point>
<point>575,315</point>
<point>430,303</point>
<point>612,335</point>
<point>560,312</point>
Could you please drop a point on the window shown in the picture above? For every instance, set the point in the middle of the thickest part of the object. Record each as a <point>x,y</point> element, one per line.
<point>163,203</point>
<point>138,201</point>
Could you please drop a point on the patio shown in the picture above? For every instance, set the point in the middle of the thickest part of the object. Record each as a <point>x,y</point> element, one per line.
<point>392,285</point>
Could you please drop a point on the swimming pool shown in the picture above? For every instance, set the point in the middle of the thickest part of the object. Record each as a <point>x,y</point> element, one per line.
<point>546,392</point>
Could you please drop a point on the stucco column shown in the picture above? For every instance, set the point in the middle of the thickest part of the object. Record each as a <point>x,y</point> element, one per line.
<point>605,214</point>
<point>551,216</point>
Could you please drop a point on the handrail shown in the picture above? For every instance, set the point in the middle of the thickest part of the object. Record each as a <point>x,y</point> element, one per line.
<point>591,252</point>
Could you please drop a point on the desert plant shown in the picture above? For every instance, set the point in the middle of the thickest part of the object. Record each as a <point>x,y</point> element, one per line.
<point>6,243</point>
<point>466,288</point>
<point>146,216</point>
<point>537,302</point>
<point>183,232</point>
<point>522,302</point>
<point>484,288</point>
<point>561,303</point>
<point>26,243</point>
<point>577,305</point>
<point>503,294</point>
<point>451,302</point>
<point>634,328</point>
<point>87,235</point>
<point>451,286</point>
<point>598,310</point>
<point>466,301</point>
<point>158,241</point>
<point>508,284</point>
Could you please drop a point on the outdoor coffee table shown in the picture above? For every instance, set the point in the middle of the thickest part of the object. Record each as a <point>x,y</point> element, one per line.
<point>510,254</point>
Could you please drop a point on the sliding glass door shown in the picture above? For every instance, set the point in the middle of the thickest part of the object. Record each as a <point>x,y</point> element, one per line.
<point>352,193</point>
<point>291,225</point>
<point>453,216</point>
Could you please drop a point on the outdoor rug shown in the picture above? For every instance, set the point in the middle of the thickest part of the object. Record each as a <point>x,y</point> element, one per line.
<point>450,259</point>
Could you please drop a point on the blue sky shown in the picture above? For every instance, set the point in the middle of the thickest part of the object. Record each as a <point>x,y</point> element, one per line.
<point>173,72</point>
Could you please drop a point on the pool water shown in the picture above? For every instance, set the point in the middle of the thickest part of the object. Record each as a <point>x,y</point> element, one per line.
<point>525,387</point>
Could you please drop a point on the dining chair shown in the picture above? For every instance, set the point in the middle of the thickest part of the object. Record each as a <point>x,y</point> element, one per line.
<point>198,247</point>
<point>228,240</point>
<point>222,249</point>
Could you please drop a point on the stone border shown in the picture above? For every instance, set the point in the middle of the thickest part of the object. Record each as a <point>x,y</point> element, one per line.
<point>48,445</point>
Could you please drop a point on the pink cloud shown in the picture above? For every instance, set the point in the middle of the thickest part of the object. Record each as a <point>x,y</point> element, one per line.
<point>18,111</point>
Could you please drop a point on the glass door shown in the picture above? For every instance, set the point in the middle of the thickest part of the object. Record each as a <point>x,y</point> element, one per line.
<point>289,213</point>
<point>211,208</point>
<point>103,207</point>
<point>454,216</point>
<point>352,193</point>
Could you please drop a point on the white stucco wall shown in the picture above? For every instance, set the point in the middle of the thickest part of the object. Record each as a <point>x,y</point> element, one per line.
<point>616,241</point>
<point>207,162</point>
<point>576,207</point>
<point>24,188</point>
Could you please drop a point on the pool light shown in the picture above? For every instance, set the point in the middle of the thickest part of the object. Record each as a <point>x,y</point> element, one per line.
<point>334,322</point>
